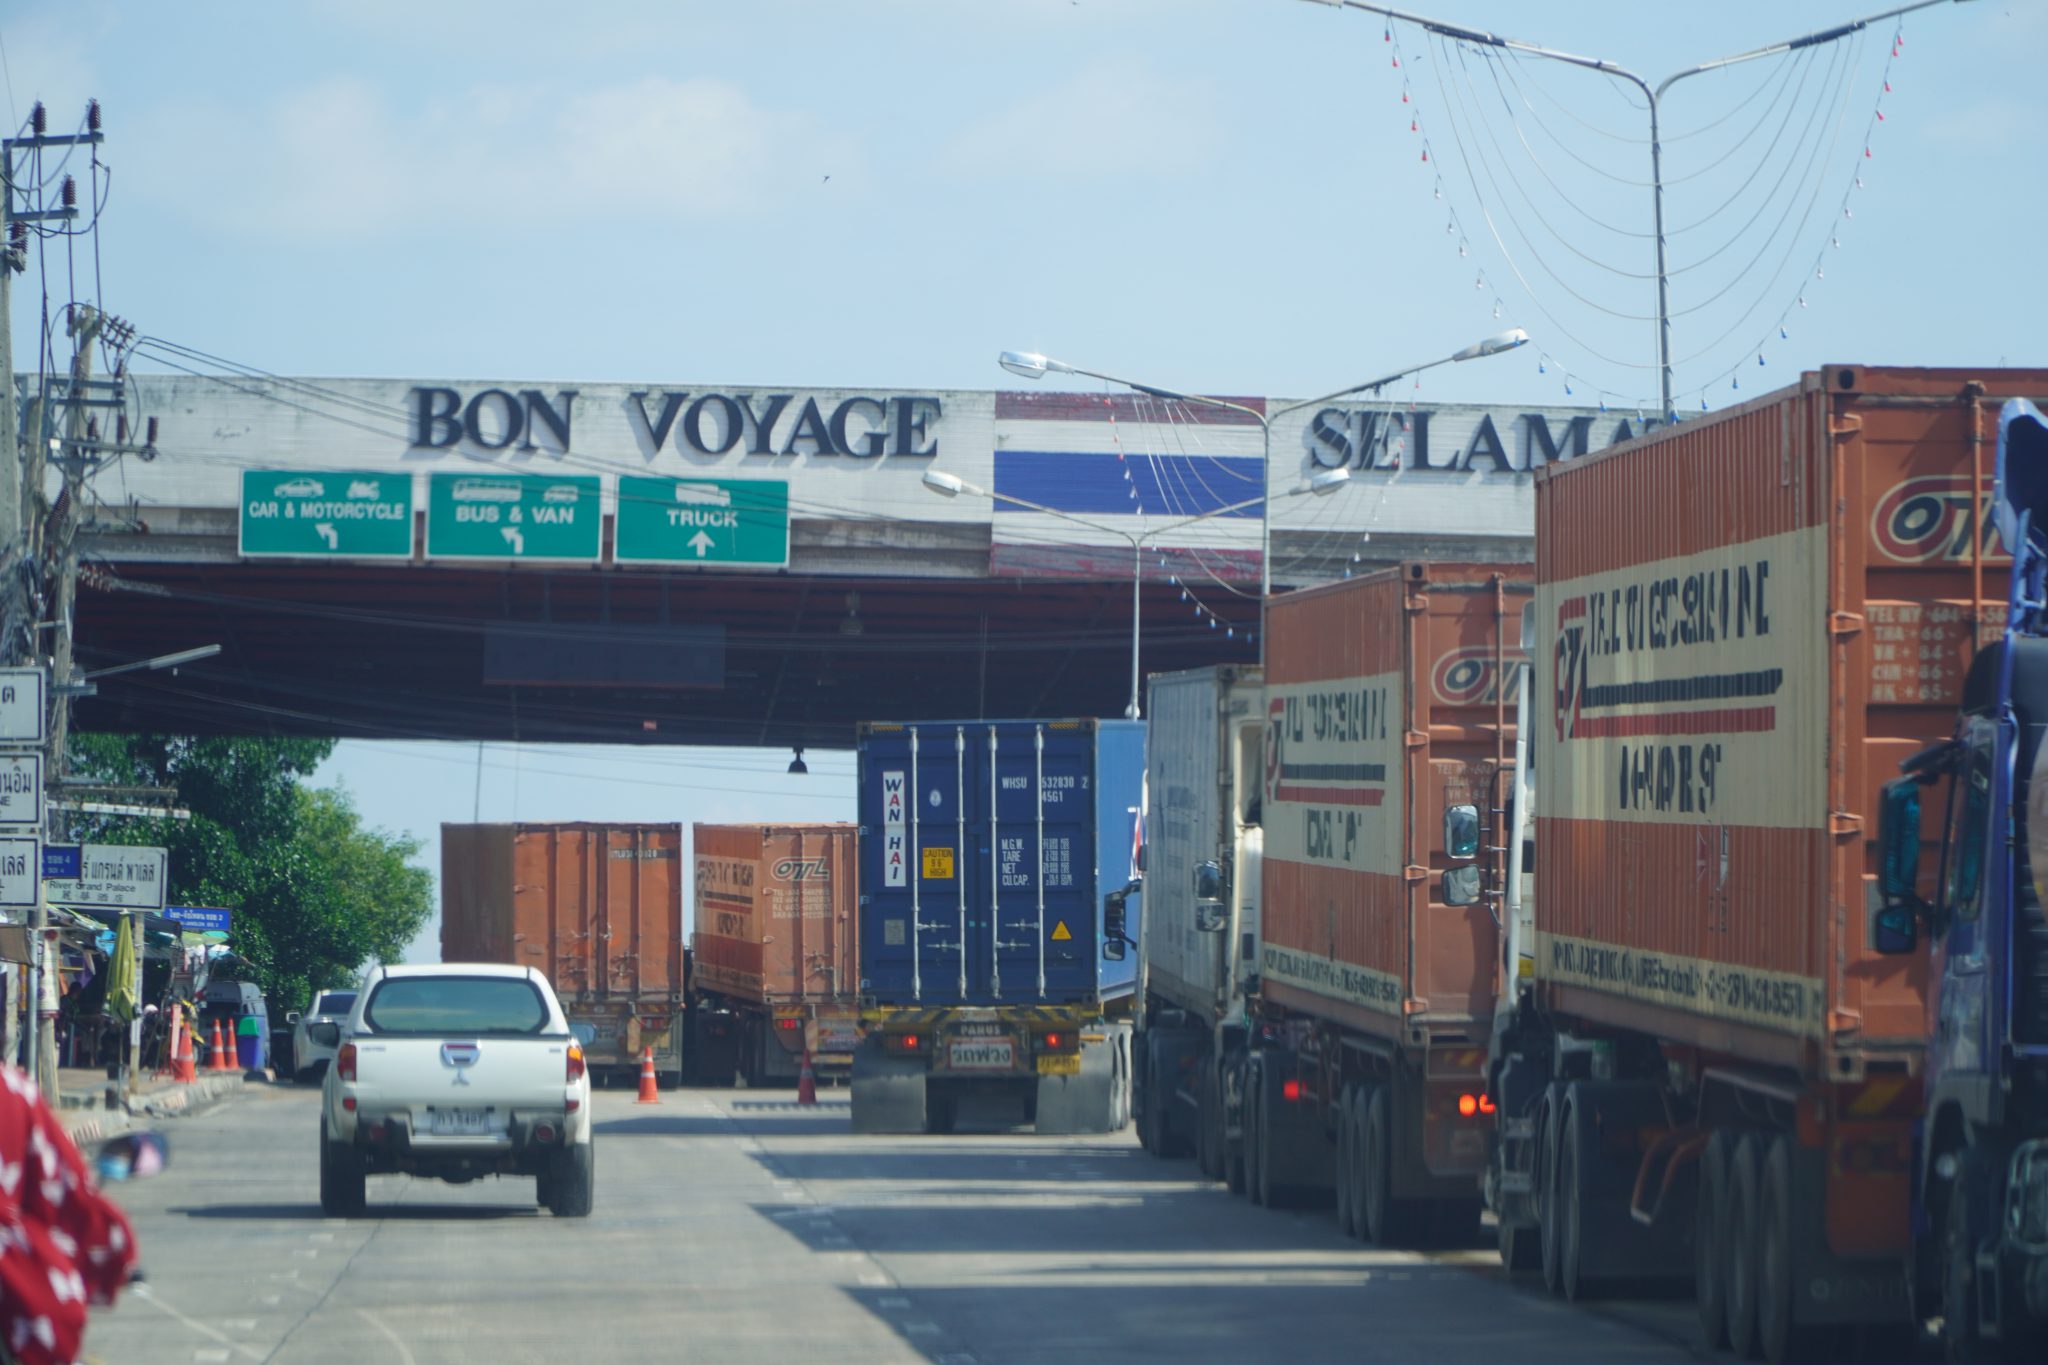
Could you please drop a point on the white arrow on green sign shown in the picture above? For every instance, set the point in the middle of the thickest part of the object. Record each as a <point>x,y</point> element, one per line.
<point>325,514</point>
<point>702,521</point>
<point>546,517</point>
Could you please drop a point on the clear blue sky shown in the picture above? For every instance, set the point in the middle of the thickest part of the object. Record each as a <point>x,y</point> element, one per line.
<point>1213,194</point>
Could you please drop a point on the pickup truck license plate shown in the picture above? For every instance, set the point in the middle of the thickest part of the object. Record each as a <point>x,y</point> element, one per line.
<point>459,1122</point>
<point>1059,1064</point>
<point>987,1054</point>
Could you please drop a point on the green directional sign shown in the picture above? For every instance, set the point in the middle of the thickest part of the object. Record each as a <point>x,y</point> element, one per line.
<point>326,514</point>
<point>549,517</point>
<point>702,521</point>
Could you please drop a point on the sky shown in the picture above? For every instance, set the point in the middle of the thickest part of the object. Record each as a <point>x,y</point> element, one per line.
<point>1271,197</point>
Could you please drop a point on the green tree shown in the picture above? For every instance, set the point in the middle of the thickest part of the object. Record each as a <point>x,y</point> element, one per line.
<point>314,893</point>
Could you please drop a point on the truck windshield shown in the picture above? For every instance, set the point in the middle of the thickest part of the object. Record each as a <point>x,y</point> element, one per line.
<point>435,1005</point>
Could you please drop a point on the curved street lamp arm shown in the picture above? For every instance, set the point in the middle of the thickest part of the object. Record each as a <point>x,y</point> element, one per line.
<point>1826,35</point>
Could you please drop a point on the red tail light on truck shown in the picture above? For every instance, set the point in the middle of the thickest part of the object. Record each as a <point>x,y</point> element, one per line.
<point>345,1062</point>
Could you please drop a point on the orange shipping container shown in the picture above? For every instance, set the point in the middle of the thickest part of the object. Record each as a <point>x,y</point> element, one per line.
<point>1745,623</point>
<point>775,913</point>
<point>596,907</point>
<point>1385,705</point>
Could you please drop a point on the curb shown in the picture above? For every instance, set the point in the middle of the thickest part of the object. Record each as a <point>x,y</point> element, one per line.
<point>97,1125</point>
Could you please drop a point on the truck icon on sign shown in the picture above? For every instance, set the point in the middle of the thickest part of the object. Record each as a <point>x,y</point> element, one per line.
<point>703,495</point>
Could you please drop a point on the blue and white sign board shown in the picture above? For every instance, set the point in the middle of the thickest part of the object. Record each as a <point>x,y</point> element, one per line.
<point>114,877</point>
<point>61,862</point>
<point>21,706</point>
<point>196,919</point>
<point>19,859</point>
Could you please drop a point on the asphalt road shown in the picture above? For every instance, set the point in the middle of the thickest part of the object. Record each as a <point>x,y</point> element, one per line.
<point>734,1226</point>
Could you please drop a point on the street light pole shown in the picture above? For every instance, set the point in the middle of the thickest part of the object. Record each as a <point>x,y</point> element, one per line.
<point>1653,95</point>
<point>951,485</point>
<point>1032,365</point>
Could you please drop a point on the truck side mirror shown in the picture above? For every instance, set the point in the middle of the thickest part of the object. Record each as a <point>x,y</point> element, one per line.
<point>1461,834</point>
<point>1461,884</point>
<point>1895,928</point>
<point>291,1017</point>
<point>1210,913</point>
<point>1115,936</point>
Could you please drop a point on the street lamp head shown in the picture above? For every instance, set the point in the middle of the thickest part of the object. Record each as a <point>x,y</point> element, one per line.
<point>939,481</point>
<point>1493,345</point>
<point>1326,481</point>
<point>1031,365</point>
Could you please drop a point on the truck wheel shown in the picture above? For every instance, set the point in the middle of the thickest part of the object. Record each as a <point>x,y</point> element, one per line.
<point>343,1192</point>
<point>1739,1283</point>
<point>574,1185</point>
<point>1519,1252</point>
<point>1254,1132</point>
<point>1347,1196</point>
<point>1710,1242</point>
<point>1571,1207</point>
<point>1960,1344</point>
<point>1781,1340</point>
<point>1546,1193</point>
<point>1389,1222</point>
<point>1209,1124</point>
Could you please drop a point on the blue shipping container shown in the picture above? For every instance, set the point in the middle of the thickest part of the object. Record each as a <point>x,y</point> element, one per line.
<point>986,848</point>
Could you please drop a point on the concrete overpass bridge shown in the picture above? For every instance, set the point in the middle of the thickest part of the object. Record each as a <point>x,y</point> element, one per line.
<point>733,565</point>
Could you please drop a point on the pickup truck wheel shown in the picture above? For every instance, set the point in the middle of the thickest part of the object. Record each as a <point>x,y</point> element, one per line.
<point>573,1186</point>
<point>342,1178</point>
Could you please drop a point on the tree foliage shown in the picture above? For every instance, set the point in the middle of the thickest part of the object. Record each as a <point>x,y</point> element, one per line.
<point>315,894</point>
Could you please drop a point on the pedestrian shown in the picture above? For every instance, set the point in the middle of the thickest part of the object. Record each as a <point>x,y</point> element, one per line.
<point>64,1247</point>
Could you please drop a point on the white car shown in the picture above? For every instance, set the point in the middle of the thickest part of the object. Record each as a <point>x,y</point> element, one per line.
<point>457,1071</point>
<point>316,1034</point>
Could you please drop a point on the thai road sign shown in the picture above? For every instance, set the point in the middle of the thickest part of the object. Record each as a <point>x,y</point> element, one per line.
<point>22,713</point>
<point>21,790</point>
<point>545,517</point>
<point>19,857</point>
<point>199,919</point>
<point>114,875</point>
<point>702,521</point>
<point>60,862</point>
<point>326,514</point>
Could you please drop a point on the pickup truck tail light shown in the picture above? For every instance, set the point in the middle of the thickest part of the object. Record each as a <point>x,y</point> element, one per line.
<point>345,1062</point>
<point>575,1066</point>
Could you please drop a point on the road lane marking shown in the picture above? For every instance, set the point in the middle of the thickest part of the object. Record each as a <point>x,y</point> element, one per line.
<point>149,1296</point>
<point>404,1354</point>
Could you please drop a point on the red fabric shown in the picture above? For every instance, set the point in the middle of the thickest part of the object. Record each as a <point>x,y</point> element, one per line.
<point>63,1245</point>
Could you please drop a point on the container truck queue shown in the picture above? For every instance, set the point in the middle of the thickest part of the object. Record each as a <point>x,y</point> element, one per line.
<point>1672,898</point>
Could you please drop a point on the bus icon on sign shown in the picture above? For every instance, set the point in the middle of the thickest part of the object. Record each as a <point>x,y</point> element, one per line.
<point>558,493</point>
<point>484,490</point>
<point>703,495</point>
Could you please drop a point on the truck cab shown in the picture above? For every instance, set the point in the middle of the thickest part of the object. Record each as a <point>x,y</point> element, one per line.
<point>1981,1218</point>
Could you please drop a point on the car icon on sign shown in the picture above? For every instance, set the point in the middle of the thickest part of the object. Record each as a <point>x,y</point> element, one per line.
<point>703,495</point>
<point>561,492</point>
<point>363,488</point>
<point>302,488</point>
<point>485,490</point>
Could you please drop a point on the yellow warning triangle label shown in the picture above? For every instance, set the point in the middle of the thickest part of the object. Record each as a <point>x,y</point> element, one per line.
<point>1059,932</point>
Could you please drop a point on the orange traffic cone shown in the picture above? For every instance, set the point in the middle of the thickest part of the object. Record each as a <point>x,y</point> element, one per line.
<point>182,1069</point>
<point>216,1059</point>
<point>648,1094</point>
<point>806,1082</point>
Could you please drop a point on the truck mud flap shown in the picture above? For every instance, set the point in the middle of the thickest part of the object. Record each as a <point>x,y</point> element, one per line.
<point>1098,1099</point>
<point>888,1092</point>
<point>1614,1249</point>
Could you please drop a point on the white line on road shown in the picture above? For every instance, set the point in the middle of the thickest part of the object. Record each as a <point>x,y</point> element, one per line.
<point>148,1296</point>
<point>404,1354</point>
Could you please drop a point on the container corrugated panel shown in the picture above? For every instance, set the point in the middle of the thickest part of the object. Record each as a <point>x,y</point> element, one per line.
<point>1188,723</point>
<point>1746,622</point>
<point>1385,704</point>
<point>597,907</point>
<point>776,912</point>
<point>985,850</point>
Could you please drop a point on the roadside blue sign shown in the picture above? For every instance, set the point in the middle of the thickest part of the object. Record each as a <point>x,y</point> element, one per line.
<point>198,920</point>
<point>60,862</point>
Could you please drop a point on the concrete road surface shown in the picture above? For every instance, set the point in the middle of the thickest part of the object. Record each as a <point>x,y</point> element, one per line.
<point>734,1226</point>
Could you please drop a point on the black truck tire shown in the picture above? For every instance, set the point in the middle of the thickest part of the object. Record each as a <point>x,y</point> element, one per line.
<point>1745,1178</point>
<point>1710,1242</point>
<point>573,1187</point>
<point>343,1180</point>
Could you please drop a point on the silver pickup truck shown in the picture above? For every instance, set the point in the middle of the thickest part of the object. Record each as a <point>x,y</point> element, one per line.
<point>457,1071</point>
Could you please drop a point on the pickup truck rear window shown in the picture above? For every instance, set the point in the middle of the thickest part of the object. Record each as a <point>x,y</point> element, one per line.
<point>436,1005</point>
<point>336,1002</point>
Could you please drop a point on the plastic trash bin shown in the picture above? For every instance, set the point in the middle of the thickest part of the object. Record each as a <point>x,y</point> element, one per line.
<point>249,1042</point>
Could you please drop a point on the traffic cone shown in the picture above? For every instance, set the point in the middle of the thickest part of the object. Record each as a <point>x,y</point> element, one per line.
<point>806,1082</point>
<point>648,1094</point>
<point>182,1069</point>
<point>216,1059</point>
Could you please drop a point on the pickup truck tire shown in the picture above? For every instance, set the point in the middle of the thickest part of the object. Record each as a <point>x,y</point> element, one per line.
<point>570,1191</point>
<point>342,1178</point>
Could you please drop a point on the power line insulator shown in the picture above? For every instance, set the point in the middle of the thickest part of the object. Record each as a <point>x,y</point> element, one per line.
<point>39,119</point>
<point>92,116</point>
<point>70,192</point>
